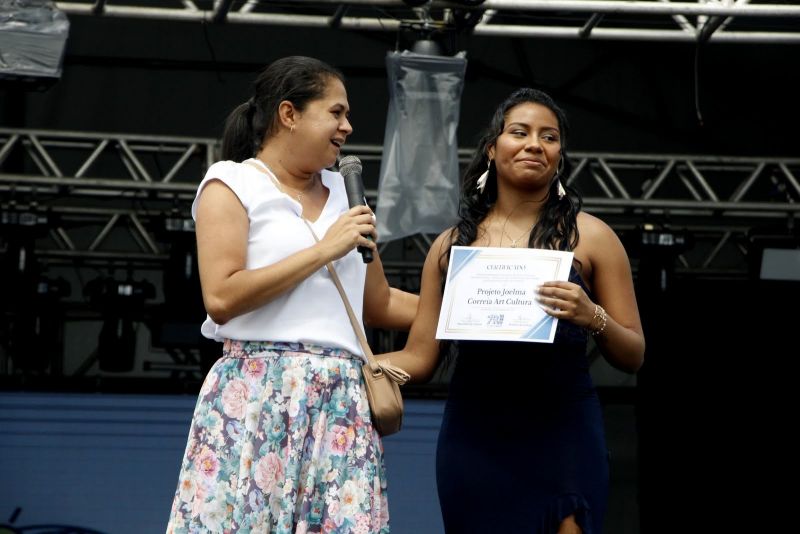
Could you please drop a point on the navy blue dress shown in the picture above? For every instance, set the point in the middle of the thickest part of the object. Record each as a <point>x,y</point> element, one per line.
<point>522,442</point>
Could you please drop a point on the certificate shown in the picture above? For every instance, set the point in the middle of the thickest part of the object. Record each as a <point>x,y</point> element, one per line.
<point>491,293</point>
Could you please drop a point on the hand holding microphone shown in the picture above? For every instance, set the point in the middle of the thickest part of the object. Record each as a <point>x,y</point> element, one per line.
<point>350,168</point>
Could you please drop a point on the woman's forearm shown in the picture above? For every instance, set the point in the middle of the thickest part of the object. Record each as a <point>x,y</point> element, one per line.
<point>622,347</point>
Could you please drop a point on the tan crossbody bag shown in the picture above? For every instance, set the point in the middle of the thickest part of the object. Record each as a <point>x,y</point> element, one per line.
<point>382,380</point>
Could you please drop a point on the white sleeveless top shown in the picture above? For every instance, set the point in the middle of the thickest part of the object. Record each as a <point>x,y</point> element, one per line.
<point>313,311</point>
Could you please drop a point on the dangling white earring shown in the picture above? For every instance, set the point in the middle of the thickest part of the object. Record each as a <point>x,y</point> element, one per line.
<point>561,190</point>
<point>481,183</point>
<point>559,171</point>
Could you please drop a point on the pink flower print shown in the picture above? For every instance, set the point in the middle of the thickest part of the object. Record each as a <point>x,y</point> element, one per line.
<point>384,510</point>
<point>207,463</point>
<point>374,503</point>
<point>351,497</point>
<point>254,368</point>
<point>213,515</point>
<point>191,447</point>
<point>362,524</point>
<point>186,488</point>
<point>320,426</point>
<point>246,459</point>
<point>333,508</point>
<point>312,396</point>
<point>353,372</point>
<point>209,384</point>
<point>293,380</point>
<point>234,398</point>
<point>341,438</point>
<point>268,471</point>
<point>198,502</point>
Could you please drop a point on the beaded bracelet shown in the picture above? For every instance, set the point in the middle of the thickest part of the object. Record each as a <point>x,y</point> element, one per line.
<point>601,317</point>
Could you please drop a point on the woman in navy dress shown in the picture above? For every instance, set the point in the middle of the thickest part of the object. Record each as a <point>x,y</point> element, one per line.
<point>522,447</point>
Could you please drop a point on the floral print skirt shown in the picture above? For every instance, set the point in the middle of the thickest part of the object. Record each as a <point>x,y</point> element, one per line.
<point>281,442</point>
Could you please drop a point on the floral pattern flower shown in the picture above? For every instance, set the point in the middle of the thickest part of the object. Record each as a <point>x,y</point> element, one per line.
<point>282,442</point>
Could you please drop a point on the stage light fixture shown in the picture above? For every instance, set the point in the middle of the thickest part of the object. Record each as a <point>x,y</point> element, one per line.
<point>427,47</point>
<point>175,324</point>
<point>657,246</point>
<point>33,36</point>
<point>122,303</point>
<point>32,327</point>
<point>659,240</point>
<point>774,255</point>
<point>780,264</point>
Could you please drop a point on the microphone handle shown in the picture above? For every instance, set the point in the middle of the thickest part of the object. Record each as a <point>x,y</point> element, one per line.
<point>355,197</point>
<point>366,253</point>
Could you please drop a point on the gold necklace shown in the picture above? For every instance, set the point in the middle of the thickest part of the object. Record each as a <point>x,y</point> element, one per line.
<point>513,241</point>
<point>504,233</point>
<point>298,193</point>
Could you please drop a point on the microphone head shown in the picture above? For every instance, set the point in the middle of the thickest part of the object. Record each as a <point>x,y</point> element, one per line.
<point>349,165</point>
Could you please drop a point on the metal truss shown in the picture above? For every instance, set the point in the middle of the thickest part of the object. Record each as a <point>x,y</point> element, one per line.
<point>121,199</point>
<point>719,21</point>
<point>78,192</point>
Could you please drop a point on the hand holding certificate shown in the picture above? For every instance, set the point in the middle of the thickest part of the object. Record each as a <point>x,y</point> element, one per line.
<point>491,293</point>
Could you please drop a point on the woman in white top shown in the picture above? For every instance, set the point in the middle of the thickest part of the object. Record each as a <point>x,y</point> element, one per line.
<point>281,439</point>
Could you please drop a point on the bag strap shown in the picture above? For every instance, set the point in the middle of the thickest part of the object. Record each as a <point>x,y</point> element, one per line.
<point>395,373</point>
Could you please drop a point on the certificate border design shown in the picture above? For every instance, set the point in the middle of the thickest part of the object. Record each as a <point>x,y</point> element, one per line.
<point>542,331</point>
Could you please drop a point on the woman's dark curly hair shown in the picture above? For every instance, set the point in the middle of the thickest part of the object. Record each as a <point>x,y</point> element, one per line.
<point>557,227</point>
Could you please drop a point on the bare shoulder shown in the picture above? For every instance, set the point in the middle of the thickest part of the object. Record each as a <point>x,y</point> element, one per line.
<point>593,227</point>
<point>598,245</point>
<point>445,239</point>
<point>440,246</point>
<point>595,233</point>
<point>216,190</point>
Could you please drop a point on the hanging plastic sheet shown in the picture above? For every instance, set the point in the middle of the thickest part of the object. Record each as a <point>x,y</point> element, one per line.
<point>418,189</point>
<point>33,34</point>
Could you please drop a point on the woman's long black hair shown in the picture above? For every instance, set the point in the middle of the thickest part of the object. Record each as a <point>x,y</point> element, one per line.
<point>556,228</point>
<point>298,79</point>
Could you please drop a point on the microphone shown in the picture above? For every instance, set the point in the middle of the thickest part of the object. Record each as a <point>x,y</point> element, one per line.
<point>350,168</point>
